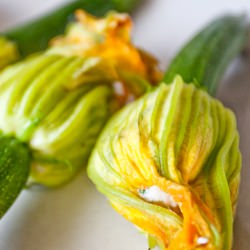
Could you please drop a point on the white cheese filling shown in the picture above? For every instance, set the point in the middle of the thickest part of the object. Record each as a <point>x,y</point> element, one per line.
<point>202,240</point>
<point>155,194</point>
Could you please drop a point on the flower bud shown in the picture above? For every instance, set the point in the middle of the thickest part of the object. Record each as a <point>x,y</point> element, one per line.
<point>58,101</point>
<point>170,163</point>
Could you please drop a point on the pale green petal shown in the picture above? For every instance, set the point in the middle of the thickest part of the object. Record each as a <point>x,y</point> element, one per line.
<point>175,138</point>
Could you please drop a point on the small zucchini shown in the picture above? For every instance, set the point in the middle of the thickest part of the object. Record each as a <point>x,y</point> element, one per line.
<point>15,159</point>
<point>205,58</point>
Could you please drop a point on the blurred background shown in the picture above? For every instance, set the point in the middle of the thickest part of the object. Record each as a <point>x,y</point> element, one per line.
<point>76,217</point>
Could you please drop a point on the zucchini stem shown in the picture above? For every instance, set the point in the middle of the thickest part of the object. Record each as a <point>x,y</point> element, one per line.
<point>205,58</point>
<point>15,161</point>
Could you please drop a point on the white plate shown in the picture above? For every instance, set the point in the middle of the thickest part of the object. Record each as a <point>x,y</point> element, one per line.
<point>77,217</point>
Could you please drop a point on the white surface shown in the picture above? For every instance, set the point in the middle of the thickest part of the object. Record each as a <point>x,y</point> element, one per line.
<point>76,217</point>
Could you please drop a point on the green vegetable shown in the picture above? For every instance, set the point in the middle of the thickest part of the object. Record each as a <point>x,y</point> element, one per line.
<point>54,104</point>
<point>15,161</point>
<point>35,35</point>
<point>41,108</point>
<point>170,162</point>
<point>204,59</point>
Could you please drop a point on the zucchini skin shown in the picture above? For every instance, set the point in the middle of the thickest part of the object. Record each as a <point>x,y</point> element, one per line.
<point>205,58</point>
<point>15,159</point>
<point>35,35</point>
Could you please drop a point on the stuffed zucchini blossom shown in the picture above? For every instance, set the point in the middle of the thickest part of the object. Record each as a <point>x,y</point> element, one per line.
<point>57,101</point>
<point>170,163</point>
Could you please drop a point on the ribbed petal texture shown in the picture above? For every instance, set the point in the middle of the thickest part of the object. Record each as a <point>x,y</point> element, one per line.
<point>60,123</point>
<point>170,163</point>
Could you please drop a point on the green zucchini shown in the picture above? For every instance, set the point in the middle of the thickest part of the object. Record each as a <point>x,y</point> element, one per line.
<point>15,159</point>
<point>205,58</point>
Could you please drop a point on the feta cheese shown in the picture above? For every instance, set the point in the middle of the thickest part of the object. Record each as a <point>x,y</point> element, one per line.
<point>155,194</point>
<point>202,240</point>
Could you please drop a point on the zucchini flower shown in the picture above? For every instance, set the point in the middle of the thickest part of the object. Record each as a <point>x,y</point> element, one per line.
<point>170,161</point>
<point>34,35</point>
<point>56,102</point>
